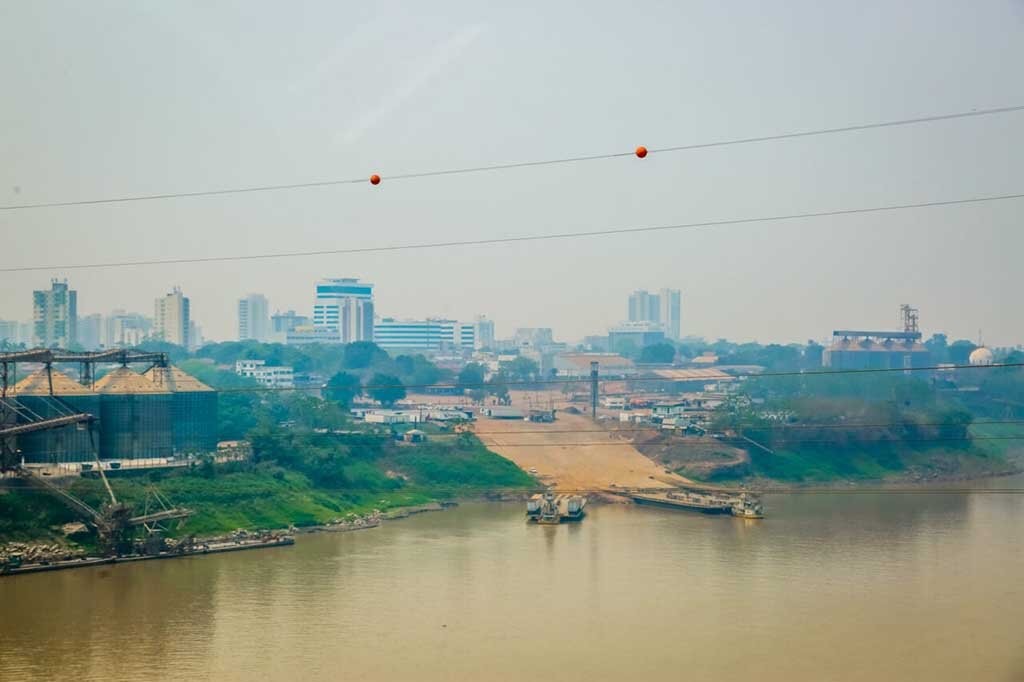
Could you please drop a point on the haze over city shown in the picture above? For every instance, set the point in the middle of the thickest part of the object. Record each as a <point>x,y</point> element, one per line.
<point>480,340</point>
<point>194,99</point>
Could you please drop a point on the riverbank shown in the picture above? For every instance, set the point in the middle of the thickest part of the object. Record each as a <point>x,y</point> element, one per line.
<point>995,450</point>
<point>252,497</point>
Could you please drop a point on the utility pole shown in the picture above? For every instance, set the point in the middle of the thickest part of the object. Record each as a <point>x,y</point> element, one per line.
<point>593,390</point>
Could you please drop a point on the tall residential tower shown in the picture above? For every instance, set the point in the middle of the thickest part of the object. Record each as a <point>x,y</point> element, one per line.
<point>55,316</point>
<point>670,304</point>
<point>662,308</point>
<point>171,318</point>
<point>253,318</point>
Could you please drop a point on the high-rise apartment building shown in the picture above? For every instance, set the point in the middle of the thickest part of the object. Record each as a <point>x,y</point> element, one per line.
<point>15,332</point>
<point>55,316</point>
<point>253,318</point>
<point>282,323</point>
<point>670,305</point>
<point>644,307</point>
<point>122,329</point>
<point>195,335</point>
<point>90,331</point>
<point>171,318</point>
<point>344,305</point>
<point>662,308</point>
<point>483,332</point>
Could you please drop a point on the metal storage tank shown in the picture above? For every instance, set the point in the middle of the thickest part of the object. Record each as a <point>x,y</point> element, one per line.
<point>193,409</point>
<point>55,446</point>
<point>135,416</point>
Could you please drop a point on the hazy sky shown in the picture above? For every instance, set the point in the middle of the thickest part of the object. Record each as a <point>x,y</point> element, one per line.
<point>118,98</point>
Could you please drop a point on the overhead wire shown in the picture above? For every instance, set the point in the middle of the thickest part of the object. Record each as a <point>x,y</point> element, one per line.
<point>737,439</point>
<point>521,238</point>
<point>853,426</point>
<point>973,113</point>
<point>14,484</point>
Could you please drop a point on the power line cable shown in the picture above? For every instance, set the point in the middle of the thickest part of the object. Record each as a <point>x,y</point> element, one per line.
<point>522,238</point>
<point>522,164</point>
<point>735,439</point>
<point>623,490</point>
<point>855,426</point>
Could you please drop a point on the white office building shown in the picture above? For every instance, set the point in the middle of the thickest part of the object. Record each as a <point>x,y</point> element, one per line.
<point>424,335</point>
<point>270,376</point>
<point>253,318</point>
<point>344,305</point>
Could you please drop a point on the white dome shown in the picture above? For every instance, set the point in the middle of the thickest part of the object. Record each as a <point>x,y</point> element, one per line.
<point>981,356</point>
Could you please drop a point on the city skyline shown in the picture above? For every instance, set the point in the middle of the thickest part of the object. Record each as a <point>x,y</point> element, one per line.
<point>957,263</point>
<point>884,319</point>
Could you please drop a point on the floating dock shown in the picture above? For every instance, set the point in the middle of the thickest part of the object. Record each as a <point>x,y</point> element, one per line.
<point>197,550</point>
<point>743,505</point>
<point>549,508</point>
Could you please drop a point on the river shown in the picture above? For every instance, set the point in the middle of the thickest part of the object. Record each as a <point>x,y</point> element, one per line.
<point>828,587</point>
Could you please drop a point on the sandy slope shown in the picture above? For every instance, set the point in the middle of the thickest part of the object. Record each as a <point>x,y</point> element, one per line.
<point>560,459</point>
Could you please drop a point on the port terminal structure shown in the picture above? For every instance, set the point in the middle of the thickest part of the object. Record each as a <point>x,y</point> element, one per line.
<point>115,521</point>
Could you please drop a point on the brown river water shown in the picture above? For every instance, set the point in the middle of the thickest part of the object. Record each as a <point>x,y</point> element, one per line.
<point>828,587</point>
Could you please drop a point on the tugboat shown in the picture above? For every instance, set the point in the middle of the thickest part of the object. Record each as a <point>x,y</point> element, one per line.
<point>551,509</point>
<point>748,507</point>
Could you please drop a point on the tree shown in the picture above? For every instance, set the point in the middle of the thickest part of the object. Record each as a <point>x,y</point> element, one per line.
<point>386,388</point>
<point>498,386</point>
<point>523,369</point>
<point>417,370</point>
<point>658,353</point>
<point>361,354</point>
<point>960,352</point>
<point>938,345</point>
<point>471,376</point>
<point>342,388</point>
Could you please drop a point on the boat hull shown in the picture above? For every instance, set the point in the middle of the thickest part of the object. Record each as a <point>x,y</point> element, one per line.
<point>674,504</point>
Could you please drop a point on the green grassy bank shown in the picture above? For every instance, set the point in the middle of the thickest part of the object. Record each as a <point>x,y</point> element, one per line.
<point>234,496</point>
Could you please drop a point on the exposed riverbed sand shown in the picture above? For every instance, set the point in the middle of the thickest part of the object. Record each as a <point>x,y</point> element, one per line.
<point>573,453</point>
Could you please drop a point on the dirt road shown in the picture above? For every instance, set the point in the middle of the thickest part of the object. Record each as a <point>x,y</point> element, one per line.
<point>556,452</point>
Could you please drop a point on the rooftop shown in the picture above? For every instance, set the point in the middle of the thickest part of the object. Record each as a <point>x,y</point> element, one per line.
<point>175,380</point>
<point>124,380</point>
<point>37,383</point>
<point>693,374</point>
<point>583,360</point>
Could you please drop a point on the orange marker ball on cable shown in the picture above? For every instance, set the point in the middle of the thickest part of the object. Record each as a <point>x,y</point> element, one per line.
<point>374,179</point>
<point>641,151</point>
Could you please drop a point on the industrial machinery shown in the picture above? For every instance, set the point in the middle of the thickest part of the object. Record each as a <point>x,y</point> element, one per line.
<point>114,522</point>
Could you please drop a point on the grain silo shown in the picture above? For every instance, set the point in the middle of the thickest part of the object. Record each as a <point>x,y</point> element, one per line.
<point>135,416</point>
<point>193,410</point>
<point>34,400</point>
